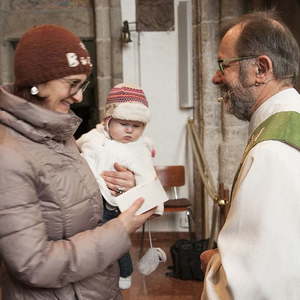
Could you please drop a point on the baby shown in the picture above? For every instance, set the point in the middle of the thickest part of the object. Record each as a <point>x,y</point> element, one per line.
<point>119,138</point>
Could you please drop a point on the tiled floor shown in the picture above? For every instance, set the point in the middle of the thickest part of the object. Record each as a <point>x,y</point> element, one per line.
<point>158,286</point>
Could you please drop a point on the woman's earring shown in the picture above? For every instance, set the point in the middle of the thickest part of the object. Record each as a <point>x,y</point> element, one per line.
<point>34,90</point>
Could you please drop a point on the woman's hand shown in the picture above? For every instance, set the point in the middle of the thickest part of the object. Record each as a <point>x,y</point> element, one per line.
<point>205,258</point>
<point>130,220</point>
<point>119,181</point>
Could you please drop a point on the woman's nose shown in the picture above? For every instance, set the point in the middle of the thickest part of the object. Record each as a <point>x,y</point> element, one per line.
<point>78,96</point>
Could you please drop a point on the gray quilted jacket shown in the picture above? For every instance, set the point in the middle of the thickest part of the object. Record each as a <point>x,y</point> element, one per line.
<point>52,243</point>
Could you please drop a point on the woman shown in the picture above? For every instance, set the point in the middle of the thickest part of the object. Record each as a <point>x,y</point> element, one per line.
<point>52,241</point>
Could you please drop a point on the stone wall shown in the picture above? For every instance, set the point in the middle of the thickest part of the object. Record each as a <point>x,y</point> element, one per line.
<point>19,15</point>
<point>98,21</point>
<point>155,15</point>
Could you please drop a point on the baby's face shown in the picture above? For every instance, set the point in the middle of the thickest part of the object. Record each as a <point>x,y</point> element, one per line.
<point>125,131</point>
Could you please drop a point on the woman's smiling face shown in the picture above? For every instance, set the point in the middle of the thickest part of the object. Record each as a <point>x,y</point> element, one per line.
<point>60,93</point>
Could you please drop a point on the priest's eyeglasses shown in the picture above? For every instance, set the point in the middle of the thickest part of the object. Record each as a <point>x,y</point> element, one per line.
<point>224,63</point>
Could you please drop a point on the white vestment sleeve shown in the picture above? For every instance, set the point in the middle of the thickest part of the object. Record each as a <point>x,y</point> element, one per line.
<point>259,244</point>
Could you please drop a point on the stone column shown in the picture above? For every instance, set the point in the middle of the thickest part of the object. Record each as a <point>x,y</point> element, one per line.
<point>207,109</point>
<point>108,47</point>
<point>5,47</point>
<point>222,135</point>
<point>234,131</point>
<point>116,43</point>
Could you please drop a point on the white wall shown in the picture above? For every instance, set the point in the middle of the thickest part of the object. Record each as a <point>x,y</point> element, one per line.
<point>150,61</point>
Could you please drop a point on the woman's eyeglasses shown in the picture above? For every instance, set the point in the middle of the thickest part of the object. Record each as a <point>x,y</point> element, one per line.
<point>76,85</point>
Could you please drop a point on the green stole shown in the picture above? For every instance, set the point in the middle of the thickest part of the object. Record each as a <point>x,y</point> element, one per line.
<point>282,126</point>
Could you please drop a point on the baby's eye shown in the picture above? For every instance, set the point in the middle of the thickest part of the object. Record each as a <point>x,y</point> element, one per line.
<point>137,126</point>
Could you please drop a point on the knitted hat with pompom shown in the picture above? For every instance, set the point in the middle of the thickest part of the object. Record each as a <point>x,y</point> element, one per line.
<point>127,102</point>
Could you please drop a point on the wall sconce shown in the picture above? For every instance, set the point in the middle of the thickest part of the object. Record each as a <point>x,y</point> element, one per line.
<point>125,34</point>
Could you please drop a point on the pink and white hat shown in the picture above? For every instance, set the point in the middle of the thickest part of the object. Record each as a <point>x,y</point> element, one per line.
<point>127,102</point>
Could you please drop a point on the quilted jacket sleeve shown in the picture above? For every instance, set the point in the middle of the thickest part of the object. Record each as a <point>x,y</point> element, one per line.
<point>24,244</point>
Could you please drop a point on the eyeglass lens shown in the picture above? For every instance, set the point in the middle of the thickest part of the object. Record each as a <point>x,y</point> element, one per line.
<point>83,86</point>
<point>220,63</point>
<point>225,62</point>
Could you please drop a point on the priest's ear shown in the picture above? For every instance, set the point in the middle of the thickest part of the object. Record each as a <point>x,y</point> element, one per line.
<point>264,66</point>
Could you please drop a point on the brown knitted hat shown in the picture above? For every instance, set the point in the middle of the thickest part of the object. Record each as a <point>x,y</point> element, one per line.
<point>49,52</point>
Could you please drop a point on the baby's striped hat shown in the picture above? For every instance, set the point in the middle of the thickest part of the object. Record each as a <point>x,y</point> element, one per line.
<point>127,102</point>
